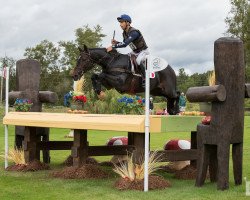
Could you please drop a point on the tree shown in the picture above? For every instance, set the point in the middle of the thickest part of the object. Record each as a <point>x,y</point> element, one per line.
<point>182,79</point>
<point>85,35</point>
<point>58,59</point>
<point>8,62</point>
<point>238,22</point>
<point>48,55</point>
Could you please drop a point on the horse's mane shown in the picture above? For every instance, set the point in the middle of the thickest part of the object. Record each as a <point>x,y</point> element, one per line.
<point>113,53</point>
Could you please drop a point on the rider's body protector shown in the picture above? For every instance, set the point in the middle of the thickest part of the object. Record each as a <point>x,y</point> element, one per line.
<point>134,39</point>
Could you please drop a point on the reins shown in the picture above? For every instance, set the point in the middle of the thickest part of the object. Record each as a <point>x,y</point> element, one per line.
<point>93,62</point>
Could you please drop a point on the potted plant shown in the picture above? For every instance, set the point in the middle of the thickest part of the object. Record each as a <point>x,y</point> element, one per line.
<point>23,105</point>
<point>132,174</point>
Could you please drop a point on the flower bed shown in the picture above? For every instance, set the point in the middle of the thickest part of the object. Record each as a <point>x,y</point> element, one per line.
<point>75,100</point>
<point>23,105</point>
<point>131,105</point>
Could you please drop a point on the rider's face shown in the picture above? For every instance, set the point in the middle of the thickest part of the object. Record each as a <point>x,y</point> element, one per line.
<point>124,25</point>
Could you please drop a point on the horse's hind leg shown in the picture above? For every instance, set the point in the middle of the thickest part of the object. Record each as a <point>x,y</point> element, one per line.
<point>171,106</point>
<point>176,106</point>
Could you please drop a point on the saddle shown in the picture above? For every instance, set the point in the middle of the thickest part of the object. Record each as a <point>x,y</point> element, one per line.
<point>135,68</point>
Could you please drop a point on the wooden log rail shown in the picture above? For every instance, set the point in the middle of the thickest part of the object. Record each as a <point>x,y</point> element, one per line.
<point>206,93</point>
<point>44,96</point>
<point>211,93</point>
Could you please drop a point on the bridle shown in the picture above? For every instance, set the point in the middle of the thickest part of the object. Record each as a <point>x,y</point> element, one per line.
<point>92,61</point>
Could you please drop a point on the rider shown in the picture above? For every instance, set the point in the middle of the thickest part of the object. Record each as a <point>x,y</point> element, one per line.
<point>134,39</point>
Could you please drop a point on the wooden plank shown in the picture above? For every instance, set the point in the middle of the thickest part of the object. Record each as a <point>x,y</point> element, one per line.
<point>76,121</point>
<point>55,145</point>
<point>128,123</point>
<point>178,155</point>
<point>92,150</point>
<point>110,150</point>
<point>179,123</point>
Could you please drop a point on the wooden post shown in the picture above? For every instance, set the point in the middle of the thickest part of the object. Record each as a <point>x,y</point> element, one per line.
<point>138,140</point>
<point>227,114</point>
<point>28,80</point>
<point>80,148</point>
<point>237,153</point>
<point>30,144</point>
<point>193,146</point>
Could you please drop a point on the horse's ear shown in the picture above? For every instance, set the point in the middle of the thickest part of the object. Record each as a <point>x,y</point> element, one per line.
<point>86,48</point>
<point>80,49</point>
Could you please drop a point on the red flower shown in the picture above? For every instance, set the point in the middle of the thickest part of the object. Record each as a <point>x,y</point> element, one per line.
<point>81,98</point>
<point>206,120</point>
<point>139,101</point>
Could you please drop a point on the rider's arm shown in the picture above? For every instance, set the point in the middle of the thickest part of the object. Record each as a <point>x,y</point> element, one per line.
<point>132,36</point>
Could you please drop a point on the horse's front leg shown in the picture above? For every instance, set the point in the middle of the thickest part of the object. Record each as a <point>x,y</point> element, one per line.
<point>96,82</point>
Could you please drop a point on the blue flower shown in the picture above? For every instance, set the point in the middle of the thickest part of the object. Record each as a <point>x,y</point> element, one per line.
<point>66,99</point>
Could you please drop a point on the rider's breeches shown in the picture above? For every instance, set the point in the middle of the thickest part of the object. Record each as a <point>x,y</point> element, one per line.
<point>140,57</point>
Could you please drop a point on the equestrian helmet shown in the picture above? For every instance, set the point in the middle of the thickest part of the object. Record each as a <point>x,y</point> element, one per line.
<point>124,17</point>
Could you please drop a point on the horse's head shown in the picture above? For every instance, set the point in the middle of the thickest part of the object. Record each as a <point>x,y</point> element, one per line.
<point>84,63</point>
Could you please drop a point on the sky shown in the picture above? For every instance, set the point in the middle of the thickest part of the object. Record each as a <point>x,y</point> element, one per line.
<point>182,32</point>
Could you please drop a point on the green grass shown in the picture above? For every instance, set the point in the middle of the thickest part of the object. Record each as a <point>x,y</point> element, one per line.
<point>39,185</point>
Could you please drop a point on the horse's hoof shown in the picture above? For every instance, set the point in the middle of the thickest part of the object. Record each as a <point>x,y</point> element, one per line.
<point>102,95</point>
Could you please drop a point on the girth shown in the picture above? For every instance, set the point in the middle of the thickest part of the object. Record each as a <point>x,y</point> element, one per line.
<point>122,70</point>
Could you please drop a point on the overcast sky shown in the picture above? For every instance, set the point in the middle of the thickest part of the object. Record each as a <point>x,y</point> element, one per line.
<point>181,31</point>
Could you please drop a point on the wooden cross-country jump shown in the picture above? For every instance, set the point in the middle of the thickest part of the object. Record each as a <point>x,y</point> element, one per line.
<point>81,123</point>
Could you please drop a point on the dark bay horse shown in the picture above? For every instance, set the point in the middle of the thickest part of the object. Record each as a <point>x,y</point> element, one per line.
<point>116,73</point>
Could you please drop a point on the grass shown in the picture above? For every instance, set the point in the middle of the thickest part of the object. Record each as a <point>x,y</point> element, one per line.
<point>39,185</point>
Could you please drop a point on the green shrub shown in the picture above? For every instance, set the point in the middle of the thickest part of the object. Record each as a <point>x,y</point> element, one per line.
<point>110,104</point>
<point>192,106</point>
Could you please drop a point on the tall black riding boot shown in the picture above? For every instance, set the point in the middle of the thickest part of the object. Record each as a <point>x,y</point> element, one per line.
<point>142,68</point>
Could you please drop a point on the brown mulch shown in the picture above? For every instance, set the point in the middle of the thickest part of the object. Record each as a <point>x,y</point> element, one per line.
<point>35,165</point>
<point>69,161</point>
<point>188,172</point>
<point>155,182</point>
<point>87,171</point>
<point>111,164</point>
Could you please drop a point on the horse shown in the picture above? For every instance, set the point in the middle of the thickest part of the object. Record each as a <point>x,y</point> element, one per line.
<point>116,73</point>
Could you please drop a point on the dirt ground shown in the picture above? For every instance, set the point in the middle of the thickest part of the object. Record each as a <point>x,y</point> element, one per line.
<point>31,166</point>
<point>155,182</point>
<point>87,171</point>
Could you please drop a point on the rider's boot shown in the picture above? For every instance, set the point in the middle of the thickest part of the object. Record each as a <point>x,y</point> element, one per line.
<point>142,67</point>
